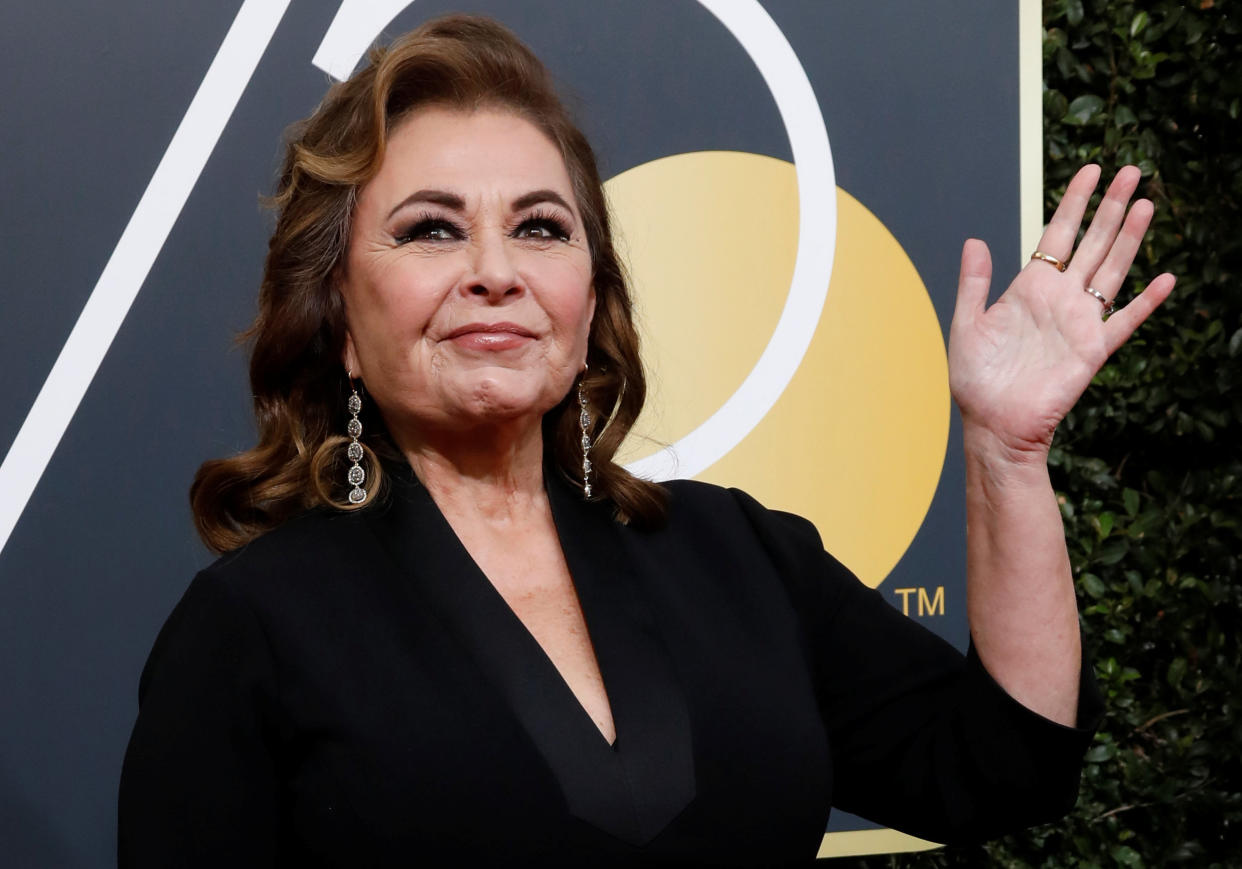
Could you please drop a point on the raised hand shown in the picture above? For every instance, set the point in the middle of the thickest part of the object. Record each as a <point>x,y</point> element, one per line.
<point>1017,367</point>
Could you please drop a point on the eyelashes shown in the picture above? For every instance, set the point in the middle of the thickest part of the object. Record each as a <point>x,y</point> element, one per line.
<point>536,226</point>
<point>428,228</point>
<point>546,225</point>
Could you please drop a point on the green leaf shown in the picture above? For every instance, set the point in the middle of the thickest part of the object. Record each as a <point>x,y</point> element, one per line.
<point>1093,585</point>
<point>1119,636</point>
<point>1137,24</point>
<point>1123,116</point>
<point>1101,753</point>
<point>1130,498</point>
<point>1083,109</point>
<point>1177,671</point>
<point>1104,524</point>
<point>1151,519</point>
<point>1113,551</point>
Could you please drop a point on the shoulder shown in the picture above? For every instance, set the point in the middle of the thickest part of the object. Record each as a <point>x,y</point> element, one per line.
<point>296,573</point>
<point>306,563</point>
<point>694,502</point>
<point>314,541</point>
<point>733,520</point>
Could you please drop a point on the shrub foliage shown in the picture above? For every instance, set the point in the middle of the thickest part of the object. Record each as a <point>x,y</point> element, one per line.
<point>1148,466</point>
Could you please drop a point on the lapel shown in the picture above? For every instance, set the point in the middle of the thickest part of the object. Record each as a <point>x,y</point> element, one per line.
<point>631,790</point>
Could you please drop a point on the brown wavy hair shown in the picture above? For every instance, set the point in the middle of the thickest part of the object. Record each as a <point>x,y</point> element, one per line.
<point>296,373</point>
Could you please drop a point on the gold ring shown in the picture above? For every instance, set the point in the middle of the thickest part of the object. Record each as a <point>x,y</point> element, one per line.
<point>1108,305</point>
<point>1050,259</point>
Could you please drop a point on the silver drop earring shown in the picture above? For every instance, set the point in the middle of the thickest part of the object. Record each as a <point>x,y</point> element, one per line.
<point>356,476</point>
<point>584,421</point>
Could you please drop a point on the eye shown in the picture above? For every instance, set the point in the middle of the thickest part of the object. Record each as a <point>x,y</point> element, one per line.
<point>543,228</point>
<point>429,229</point>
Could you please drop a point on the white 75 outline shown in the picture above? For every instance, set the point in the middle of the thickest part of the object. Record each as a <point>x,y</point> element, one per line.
<point>133,256</point>
<point>141,242</point>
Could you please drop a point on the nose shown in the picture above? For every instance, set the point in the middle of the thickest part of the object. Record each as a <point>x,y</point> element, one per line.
<point>493,273</point>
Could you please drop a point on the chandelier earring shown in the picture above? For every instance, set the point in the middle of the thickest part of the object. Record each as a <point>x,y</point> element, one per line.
<point>584,422</point>
<point>355,476</point>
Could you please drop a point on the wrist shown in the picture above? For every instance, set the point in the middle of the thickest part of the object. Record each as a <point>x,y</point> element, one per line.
<point>985,444</point>
<point>1003,465</point>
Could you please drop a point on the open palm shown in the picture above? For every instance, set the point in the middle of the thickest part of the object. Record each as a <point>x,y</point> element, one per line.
<point>1017,367</point>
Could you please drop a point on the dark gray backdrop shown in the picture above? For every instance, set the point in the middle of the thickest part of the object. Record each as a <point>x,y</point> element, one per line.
<point>920,103</point>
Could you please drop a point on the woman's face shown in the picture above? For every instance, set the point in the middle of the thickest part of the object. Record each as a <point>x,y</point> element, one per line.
<point>467,281</point>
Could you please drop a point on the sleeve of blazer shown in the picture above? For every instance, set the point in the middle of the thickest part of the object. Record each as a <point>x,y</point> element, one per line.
<point>198,786</point>
<point>922,739</point>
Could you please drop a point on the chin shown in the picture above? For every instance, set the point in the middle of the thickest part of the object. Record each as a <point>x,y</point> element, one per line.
<point>504,398</point>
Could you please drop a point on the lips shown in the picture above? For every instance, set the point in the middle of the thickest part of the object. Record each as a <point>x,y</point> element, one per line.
<point>490,328</point>
<point>490,336</point>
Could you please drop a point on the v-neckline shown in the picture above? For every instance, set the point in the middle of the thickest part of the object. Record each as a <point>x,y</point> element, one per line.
<point>519,624</point>
<point>631,788</point>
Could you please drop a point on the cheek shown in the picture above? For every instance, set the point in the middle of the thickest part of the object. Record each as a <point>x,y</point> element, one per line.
<point>400,301</point>
<point>573,323</point>
<point>572,300</point>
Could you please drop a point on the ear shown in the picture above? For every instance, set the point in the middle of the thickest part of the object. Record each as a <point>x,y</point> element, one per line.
<point>590,318</point>
<point>349,357</point>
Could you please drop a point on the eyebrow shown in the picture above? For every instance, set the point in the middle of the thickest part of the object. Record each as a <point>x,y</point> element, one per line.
<point>436,197</point>
<point>545,195</point>
<point>457,203</point>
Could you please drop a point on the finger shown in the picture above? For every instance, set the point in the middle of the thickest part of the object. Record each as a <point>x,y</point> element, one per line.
<point>1099,237</point>
<point>1059,235</point>
<point>973,281</point>
<point>1109,277</point>
<point>1121,325</point>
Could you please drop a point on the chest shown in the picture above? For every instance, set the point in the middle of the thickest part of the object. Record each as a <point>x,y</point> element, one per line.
<point>428,710</point>
<point>531,577</point>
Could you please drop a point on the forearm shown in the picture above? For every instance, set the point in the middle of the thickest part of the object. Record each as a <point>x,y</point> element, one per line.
<point>1016,368</point>
<point>1020,593</point>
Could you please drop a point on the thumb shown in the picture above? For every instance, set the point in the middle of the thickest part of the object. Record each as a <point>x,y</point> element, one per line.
<point>973,281</point>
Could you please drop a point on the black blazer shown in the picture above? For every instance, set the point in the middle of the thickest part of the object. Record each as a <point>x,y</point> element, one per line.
<point>350,690</point>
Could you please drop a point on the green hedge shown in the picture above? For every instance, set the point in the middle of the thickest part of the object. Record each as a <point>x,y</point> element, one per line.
<point>1148,466</point>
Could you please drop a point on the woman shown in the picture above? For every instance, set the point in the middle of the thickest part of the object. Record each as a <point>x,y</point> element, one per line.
<point>461,633</point>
